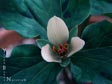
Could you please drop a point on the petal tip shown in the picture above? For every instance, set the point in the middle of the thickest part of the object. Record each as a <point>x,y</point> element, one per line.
<point>76,45</point>
<point>55,28</point>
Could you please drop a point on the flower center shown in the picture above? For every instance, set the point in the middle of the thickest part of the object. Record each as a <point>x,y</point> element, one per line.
<point>61,50</point>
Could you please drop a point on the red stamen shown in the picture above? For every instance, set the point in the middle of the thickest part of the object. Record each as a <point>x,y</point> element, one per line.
<point>65,45</point>
<point>64,49</point>
<point>61,50</point>
<point>60,46</point>
<point>54,49</point>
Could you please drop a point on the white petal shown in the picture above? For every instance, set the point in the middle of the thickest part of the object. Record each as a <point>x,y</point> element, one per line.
<point>48,55</point>
<point>76,45</point>
<point>57,31</point>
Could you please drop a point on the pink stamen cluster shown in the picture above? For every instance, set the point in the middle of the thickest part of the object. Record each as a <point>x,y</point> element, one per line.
<point>61,50</point>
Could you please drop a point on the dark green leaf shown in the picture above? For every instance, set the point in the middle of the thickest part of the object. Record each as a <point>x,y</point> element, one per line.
<point>41,43</point>
<point>73,32</point>
<point>76,12</point>
<point>101,6</point>
<point>12,19</point>
<point>43,10</point>
<point>11,5</point>
<point>98,35</point>
<point>71,11</point>
<point>22,56</point>
<point>101,80</point>
<point>30,17</point>
<point>93,62</point>
<point>7,5</point>
<point>41,73</point>
<point>76,71</point>
<point>25,26</point>
<point>1,80</point>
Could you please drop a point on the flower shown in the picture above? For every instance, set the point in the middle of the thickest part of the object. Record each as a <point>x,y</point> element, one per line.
<point>58,35</point>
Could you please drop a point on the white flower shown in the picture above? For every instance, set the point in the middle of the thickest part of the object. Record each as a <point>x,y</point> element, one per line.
<point>58,35</point>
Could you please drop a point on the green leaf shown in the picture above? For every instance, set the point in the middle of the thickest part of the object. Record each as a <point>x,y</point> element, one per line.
<point>98,35</point>
<point>22,8</point>
<point>76,12</point>
<point>41,73</point>
<point>101,80</point>
<point>18,5</point>
<point>73,32</point>
<point>76,71</point>
<point>27,27</point>
<point>21,23</point>
<point>30,17</point>
<point>5,3</point>
<point>43,10</point>
<point>42,42</point>
<point>94,62</point>
<point>101,6</point>
<point>1,80</point>
<point>22,57</point>
<point>71,11</point>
